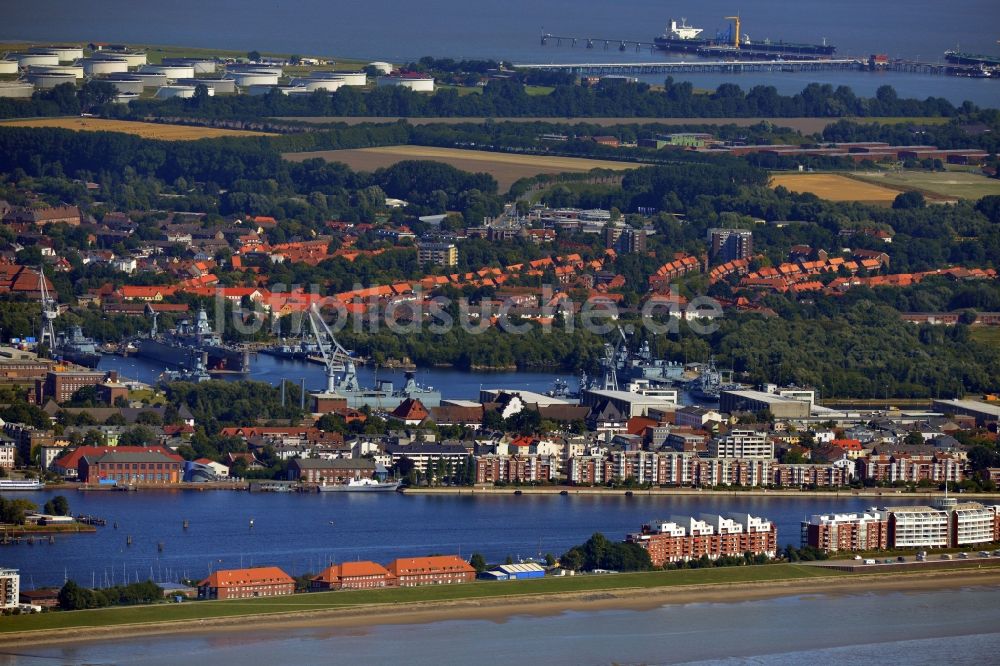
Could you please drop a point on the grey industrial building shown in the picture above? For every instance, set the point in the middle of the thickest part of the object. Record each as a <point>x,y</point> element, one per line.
<point>758,401</point>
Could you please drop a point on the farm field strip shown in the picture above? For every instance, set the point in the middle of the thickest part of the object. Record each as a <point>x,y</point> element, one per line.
<point>145,130</point>
<point>936,184</point>
<point>505,167</point>
<point>833,187</point>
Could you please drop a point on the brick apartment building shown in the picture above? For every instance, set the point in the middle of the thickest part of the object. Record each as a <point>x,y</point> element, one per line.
<point>437,570</point>
<point>60,385</point>
<point>354,576</point>
<point>682,539</point>
<point>847,531</point>
<point>515,469</point>
<point>246,584</point>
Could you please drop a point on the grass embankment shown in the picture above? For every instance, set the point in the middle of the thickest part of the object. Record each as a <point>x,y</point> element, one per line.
<point>321,601</point>
<point>40,530</point>
<point>934,185</point>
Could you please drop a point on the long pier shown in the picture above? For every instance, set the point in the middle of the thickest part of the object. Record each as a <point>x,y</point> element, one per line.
<point>598,42</point>
<point>700,66</point>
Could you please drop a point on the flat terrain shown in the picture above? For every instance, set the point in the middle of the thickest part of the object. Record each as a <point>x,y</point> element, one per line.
<point>937,184</point>
<point>804,125</point>
<point>833,187</point>
<point>505,167</point>
<point>144,130</point>
<point>490,601</point>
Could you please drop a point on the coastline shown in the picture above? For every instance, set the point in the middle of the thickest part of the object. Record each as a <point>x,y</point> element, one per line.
<point>893,493</point>
<point>497,609</point>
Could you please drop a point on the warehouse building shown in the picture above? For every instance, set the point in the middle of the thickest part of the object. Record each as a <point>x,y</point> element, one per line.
<point>781,407</point>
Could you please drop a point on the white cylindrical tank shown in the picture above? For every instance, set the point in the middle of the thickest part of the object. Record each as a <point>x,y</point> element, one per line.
<point>64,53</point>
<point>245,79</point>
<point>133,58</point>
<point>221,86</point>
<point>166,92</point>
<point>45,80</point>
<point>8,67</point>
<point>200,66</point>
<point>75,70</point>
<point>126,97</point>
<point>414,83</point>
<point>150,79</point>
<point>92,67</point>
<point>270,69</point>
<point>349,78</point>
<point>17,89</point>
<point>383,67</point>
<point>327,84</point>
<point>170,71</point>
<point>25,60</point>
<point>126,85</point>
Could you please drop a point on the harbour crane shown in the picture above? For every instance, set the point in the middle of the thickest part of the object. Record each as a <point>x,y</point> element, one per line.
<point>335,356</point>
<point>736,31</point>
<point>49,313</point>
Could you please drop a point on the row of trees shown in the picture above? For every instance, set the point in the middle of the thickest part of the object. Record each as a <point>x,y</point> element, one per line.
<point>75,597</point>
<point>508,98</point>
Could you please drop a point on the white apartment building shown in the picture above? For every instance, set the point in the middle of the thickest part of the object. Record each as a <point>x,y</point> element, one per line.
<point>10,588</point>
<point>742,444</point>
<point>917,527</point>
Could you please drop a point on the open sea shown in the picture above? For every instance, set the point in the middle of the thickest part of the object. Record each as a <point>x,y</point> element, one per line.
<point>401,30</point>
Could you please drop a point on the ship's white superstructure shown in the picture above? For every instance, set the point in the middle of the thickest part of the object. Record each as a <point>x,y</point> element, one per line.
<point>682,30</point>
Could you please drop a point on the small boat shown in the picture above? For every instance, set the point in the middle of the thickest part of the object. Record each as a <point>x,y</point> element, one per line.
<point>18,484</point>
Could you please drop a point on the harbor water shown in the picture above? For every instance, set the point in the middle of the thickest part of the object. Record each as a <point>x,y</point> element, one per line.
<point>923,629</point>
<point>303,532</point>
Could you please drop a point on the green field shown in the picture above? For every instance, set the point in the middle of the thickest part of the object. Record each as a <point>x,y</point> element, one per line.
<point>349,599</point>
<point>935,184</point>
<point>987,335</point>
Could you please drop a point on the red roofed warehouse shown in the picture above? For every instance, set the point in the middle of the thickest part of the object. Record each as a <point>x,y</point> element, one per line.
<point>353,576</point>
<point>439,570</point>
<point>246,584</point>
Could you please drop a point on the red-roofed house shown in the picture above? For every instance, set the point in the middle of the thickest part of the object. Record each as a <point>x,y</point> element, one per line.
<point>411,412</point>
<point>246,584</point>
<point>353,576</point>
<point>438,570</point>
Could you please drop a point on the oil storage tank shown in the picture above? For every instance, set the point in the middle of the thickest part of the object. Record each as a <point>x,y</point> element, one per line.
<point>414,82</point>
<point>327,84</point>
<point>168,92</point>
<point>16,89</point>
<point>220,86</point>
<point>349,78</point>
<point>64,53</point>
<point>25,60</point>
<point>200,65</point>
<point>75,70</point>
<point>270,69</point>
<point>170,71</point>
<point>149,79</point>
<point>96,67</point>
<point>8,67</point>
<point>133,58</point>
<point>125,86</point>
<point>246,79</point>
<point>46,80</point>
<point>126,97</point>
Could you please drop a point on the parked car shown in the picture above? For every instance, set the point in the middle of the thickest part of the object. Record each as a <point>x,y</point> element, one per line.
<point>946,556</point>
<point>963,556</point>
<point>900,559</point>
<point>870,562</point>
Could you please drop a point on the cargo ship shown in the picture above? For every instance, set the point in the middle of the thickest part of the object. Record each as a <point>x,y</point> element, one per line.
<point>683,38</point>
<point>191,344</point>
<point>75,347</point>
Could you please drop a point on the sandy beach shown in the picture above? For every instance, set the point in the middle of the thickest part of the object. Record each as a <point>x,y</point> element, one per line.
<point>499,609</point>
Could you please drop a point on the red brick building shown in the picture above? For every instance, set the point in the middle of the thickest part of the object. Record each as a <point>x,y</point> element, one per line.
<point>684,539</point>
<point>437,570</point>
<point>354,576</point>
<point>60,385</point>
<point>847,531</point>
<point>246,584</point>
<point>128,467</point>
<point>515,469</point>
